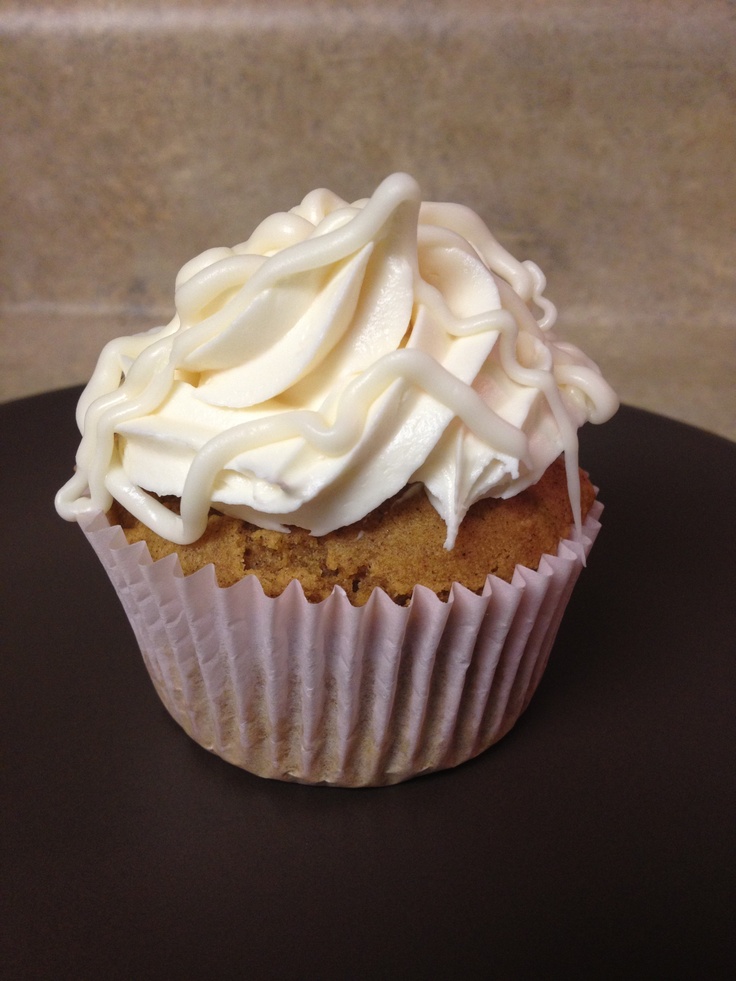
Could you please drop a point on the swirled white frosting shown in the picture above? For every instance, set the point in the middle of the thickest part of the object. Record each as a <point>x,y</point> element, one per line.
<point>341,353</point>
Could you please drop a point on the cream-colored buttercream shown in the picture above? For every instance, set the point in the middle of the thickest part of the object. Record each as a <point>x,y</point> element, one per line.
<point>340,354</point>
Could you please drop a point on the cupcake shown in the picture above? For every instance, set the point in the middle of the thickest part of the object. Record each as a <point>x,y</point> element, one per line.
<point>339,494</point>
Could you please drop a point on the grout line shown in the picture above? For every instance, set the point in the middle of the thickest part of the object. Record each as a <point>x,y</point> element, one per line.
<point>61,309</point>
<point>286,16</point>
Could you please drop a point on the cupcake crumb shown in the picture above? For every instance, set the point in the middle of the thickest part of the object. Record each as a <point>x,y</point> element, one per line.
<point>395,547</point>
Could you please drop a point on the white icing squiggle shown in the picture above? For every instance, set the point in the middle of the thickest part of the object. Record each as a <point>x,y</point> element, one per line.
<point>341,353</point>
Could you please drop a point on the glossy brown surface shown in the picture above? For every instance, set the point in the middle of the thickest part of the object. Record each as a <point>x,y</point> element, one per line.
<point>596,840</point>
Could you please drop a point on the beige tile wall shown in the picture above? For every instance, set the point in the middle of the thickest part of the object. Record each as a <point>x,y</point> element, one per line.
<point>598,138</point>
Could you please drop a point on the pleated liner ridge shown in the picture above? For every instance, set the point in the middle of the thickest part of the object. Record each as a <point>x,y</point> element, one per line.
<point>332,693</point>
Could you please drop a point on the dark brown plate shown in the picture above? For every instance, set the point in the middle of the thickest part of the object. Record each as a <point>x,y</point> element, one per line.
<point>597,839</point>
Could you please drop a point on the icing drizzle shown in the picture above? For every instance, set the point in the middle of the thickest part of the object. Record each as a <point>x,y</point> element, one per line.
<point>341,353</point>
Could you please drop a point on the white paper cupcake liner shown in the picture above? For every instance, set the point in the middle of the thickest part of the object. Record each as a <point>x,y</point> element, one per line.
<point>332,693</point>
